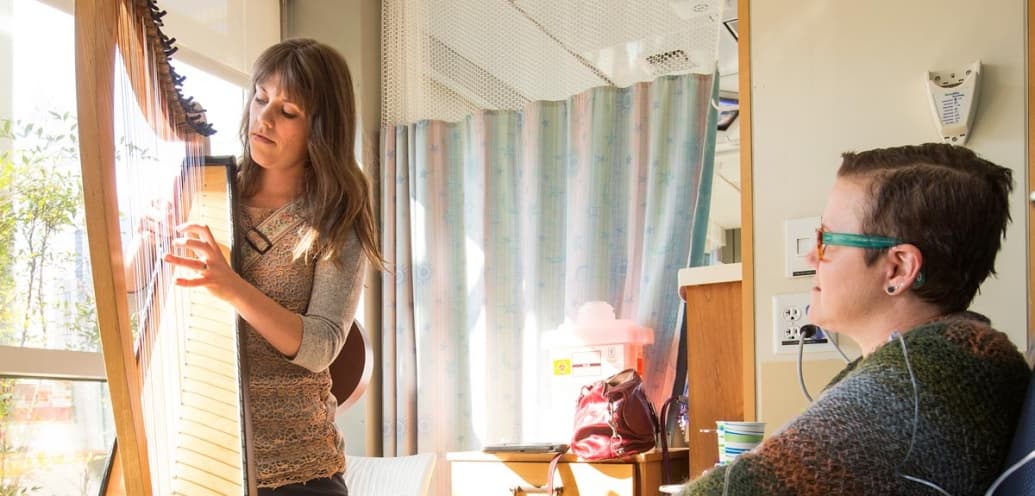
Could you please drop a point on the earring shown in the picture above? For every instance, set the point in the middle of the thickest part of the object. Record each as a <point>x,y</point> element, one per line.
<point>891,290</point>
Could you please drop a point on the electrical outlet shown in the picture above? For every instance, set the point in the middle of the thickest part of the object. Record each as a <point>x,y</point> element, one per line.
<point>790,315</point>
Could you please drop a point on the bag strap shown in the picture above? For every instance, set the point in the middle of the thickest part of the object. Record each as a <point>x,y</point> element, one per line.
<point>548,489</point>
<point>666,470</point>
<point>259,239</point>
<point>666,412</point>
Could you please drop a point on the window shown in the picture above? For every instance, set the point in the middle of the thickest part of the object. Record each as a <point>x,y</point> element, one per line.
<point>56,425</point>
<point>44,274</point>
<point>224,103</point>
<point>54,436</point>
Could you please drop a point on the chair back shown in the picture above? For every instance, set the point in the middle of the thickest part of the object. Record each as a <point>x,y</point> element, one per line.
<point>389,476</point>
<point>352,368</point>
<point>1022,481</point>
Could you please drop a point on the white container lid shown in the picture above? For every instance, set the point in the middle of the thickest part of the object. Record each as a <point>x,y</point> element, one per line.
<point>595,325</point>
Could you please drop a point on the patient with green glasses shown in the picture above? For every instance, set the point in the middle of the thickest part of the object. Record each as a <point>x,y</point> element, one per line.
<point>907,237</point>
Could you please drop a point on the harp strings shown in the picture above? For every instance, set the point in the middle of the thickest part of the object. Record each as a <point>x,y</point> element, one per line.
<point>155,184</point>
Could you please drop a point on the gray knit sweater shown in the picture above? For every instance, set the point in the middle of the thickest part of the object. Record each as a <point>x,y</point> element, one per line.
<point>855,438</point>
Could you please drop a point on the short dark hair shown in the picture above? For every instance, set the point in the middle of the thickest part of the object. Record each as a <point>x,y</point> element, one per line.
<point>944,199</point>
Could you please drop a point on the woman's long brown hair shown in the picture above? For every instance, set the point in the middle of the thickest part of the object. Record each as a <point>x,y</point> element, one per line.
<point>336,194</point>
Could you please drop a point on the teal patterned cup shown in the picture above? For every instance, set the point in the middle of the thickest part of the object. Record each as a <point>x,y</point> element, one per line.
<point>736,438</point>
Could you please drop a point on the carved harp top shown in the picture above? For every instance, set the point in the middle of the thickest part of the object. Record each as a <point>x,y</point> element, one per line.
<point>123,37</point>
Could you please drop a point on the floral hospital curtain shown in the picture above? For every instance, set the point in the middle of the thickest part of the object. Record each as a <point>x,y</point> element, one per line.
<point>501,225</point>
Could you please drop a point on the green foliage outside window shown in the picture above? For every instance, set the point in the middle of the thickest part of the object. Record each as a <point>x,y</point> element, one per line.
<point>41,205</point>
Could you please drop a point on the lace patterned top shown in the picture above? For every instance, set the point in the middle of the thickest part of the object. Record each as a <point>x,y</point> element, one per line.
<point>294,438</point>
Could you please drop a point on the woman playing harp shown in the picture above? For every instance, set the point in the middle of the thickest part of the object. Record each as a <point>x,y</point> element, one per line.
<point>298,285</point>
<point>307,223</point>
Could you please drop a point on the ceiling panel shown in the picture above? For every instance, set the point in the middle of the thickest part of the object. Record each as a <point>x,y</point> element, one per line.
<point>552,49</point>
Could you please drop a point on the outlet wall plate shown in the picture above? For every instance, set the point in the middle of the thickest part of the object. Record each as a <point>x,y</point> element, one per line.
<point>790,313</point>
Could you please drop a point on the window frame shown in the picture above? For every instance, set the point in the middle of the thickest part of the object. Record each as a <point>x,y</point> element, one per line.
<point>39,363</point>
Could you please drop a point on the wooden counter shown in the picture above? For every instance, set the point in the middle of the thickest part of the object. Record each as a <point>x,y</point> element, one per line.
<point>486,474</point>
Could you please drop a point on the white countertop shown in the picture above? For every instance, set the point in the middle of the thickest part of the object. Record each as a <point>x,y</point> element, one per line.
<point>710,274</point>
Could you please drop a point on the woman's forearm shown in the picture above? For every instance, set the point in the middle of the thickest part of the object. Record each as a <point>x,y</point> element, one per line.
<point>280,327</point>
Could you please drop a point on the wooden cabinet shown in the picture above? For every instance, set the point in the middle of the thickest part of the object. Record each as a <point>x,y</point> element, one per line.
<point>720,357</point>
<point>484,474</point>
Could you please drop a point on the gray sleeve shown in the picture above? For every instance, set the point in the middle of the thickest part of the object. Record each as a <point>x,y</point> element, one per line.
<point>332,307</point>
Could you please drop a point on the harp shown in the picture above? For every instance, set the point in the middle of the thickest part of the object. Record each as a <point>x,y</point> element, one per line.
<point>172,360</point>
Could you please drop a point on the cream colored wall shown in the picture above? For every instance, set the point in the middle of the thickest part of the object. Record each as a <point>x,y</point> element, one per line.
<point>834,76</point>
<point>223,38</point>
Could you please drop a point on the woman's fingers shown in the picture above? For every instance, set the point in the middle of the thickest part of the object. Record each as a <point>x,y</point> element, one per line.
<point>194,244</point>
<point>197,230</point>
<point>159,218</point>
<point>207,235</point>
<point>186,262</point>
<point>198,239</point>
<point>205,258</point>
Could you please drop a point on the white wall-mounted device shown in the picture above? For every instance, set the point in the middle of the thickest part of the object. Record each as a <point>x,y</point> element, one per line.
<point>954,98</point>
<point>799,237</point>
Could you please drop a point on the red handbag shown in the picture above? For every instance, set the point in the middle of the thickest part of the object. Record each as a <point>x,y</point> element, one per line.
<point>614,419</point>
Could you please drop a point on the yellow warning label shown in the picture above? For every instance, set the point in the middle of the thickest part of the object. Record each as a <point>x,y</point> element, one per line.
<point>562,366</point>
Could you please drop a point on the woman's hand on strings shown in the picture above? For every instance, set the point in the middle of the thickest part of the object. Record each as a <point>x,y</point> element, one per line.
<point>153,237</point>
<point>157,223</point>
<point>207,267</point>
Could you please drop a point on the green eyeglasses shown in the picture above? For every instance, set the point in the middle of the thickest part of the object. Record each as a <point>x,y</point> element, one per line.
<point>824,238</point>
